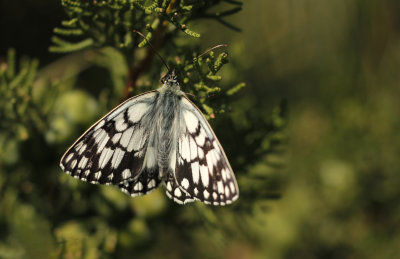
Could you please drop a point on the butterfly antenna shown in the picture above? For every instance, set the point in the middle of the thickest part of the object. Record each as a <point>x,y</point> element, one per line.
<point>154,50</point>
<point>211,49</point>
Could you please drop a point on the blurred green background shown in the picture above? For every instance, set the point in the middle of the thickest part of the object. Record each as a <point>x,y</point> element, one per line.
<point>335,62</point>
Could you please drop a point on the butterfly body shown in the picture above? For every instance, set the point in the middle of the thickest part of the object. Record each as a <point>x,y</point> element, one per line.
<point>156,137</point>
<point>163,134</point>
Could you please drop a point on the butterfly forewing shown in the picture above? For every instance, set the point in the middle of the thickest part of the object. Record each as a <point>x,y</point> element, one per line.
<point>211,178</point>
<point>112,150</point>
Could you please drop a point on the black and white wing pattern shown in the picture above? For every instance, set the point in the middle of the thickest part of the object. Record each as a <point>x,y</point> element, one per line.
<point>145,182</point>
<point>114,150</point>
<point>156,137</point>
<point>202,170</point>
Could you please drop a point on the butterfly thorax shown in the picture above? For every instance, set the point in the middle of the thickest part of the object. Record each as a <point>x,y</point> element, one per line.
<point>170,84</point>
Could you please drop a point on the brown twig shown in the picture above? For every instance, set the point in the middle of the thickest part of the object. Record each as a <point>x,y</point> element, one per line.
<point>135,72</point>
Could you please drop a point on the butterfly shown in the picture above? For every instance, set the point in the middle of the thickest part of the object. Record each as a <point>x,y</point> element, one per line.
<point>158,137</point>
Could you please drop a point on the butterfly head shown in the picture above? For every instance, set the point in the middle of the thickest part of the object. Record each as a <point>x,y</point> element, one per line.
<point>170,78</point>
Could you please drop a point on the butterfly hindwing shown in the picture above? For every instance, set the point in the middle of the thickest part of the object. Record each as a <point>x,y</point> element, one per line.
<point>175,191</point>
<point>112,151</point>
<point>146,182</point>
<point>202,170</point>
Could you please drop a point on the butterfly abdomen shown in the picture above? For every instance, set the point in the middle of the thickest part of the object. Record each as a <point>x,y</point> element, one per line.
<point>168,110</point>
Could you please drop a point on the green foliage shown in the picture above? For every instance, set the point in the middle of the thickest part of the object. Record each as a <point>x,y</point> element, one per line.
<point>98,23</point>
<point>16,93</point>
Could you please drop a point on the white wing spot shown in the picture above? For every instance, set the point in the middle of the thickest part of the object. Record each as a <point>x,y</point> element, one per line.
<point>234,198</point>
<point>201,153</point>
<point>69,157</point>
<point>126,136</point>
<point>223,173</point>
<point>191,121</point>
<point>151,184</point>
<point>138,187</point>
<point>215,195</point>
<point>188,200</point>
<point>126,174</point>
<point>73,164</point>
<point>220,187</point>
<point>169,186</point>
<point>185,152</point>
<point>195,191</point>
<point>201,138</point>
<point>82,149</point>
<point>132,101</point>
<point>136,141</point>
<point>110,177</point>
<point>228,174</point>
<point>172,159</point>
<point>99,135</point>
<point>105,156</point>
<point>78,145</point>
<point>193,149</point>
<point>206,194</point>
<point>177,192</point>
<point>150,158</point>
<point>227,192</point>
<point>195,172</point>
<point>216,156</point>
<point>204,175</point>
<point>116,138</point>
<point>120,124</point>
<point>103,140</point>
<point>232,186</point>
<point>185,183</point>
<point>83,162</point>
<point>117,158</point>
<point>210,160</point>
<point>136,112</point>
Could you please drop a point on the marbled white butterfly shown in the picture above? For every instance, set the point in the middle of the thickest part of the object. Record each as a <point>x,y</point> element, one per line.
<point>155,137</point>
